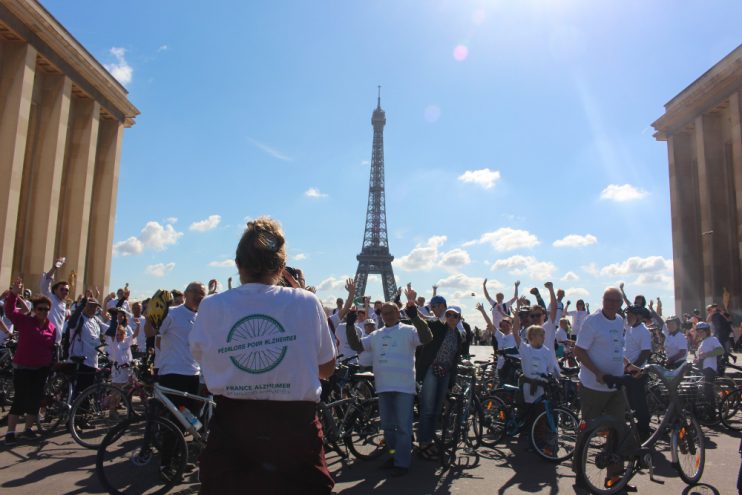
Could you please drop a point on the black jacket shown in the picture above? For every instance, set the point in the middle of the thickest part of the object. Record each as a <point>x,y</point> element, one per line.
<point>426,354</point>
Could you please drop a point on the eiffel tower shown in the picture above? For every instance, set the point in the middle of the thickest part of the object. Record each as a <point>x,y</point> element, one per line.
<point>375,257</point>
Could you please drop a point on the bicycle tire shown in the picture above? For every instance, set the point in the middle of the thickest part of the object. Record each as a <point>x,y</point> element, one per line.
<point>364,436</point>
<point>731,410</point>
<point>598,445</point>
<point>553,449</point>
<point>93,407</point>
<point>494,416</point>
<point>474,425</point>
<point>687,445</point>
<point>448,440</point>
<point>129,460</point>
<point>53,404</point>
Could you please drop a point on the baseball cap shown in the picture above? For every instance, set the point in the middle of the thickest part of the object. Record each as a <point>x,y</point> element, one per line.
<point>370,321</point>
<point>703,326</point>
<point>438,300</point>
<point>454,309</point>
<point>92,300</point>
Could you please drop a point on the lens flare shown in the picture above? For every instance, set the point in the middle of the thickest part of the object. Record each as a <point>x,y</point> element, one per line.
<point>460,53</point>
<point>432,113</point>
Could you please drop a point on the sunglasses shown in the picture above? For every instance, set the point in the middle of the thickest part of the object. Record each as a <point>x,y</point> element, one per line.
<point>451,315</point>
<point>43,309</point>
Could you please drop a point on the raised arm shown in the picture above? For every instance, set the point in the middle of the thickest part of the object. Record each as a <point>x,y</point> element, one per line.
<point>486,317</point>
<point>623,294</point>
<point>350,332</point>
<point>515,296</point>
<point>552,301</point>
<point>423,330</point>
<point>487,294</point>
<point>350,286</point>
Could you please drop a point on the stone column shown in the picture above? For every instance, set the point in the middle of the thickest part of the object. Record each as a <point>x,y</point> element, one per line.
<point>686,231</point>
<point>103,205</point>
<point>42,197</point>
<point>17,74</point>
<point>77,187</point>
<point>715,207</point>
<point>735,117</point>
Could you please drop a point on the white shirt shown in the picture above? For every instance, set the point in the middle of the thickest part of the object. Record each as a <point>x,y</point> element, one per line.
<point>636,340</point>
<point>536,363</point>
<point>263,342</point>
<point>124,306</point>
<point>707,345</point>
<point>503,342</point>
<point>550,329</point>
<point>175,353</point>
<point>603,341</point>
<point>393,353</point>
<point>84,342</point>
<point>58,311</point>
<point>137,323</point>
<point>675,343</point>
<point>561,335</point>
<point>578,318</point>
<point>499,310</point>
<point>344,349</point>
<point>119,352</point>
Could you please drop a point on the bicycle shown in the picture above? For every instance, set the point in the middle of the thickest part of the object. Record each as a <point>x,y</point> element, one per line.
<point>462,417</point>
<point>149,454</point>
<point>730,410</point>
<point>353,422</point>
<point>609,454</point>
<point>553,430</point>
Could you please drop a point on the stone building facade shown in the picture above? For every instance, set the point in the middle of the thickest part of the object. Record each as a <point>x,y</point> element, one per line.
<point>703,129</point>
<point>62,120</point>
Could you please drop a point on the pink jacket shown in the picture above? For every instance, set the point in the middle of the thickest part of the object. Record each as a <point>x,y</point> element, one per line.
<point>35,341</point>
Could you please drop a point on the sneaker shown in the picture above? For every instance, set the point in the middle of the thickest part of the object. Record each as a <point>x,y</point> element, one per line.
<point>30,434</point>
<point>10,439</point>
<point>399,471</point>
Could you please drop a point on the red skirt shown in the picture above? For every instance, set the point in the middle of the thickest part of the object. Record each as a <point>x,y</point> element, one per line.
<point>258,446</point>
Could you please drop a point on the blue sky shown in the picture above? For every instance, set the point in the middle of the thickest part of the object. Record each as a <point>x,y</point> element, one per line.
<point>511,126</point>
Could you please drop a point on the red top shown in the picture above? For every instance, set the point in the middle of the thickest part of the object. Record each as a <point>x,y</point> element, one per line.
<point>35,340</point>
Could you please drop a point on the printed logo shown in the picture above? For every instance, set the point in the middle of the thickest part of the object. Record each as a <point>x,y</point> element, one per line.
<point>257,344</point>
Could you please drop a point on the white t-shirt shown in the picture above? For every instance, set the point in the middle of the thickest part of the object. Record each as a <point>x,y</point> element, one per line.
<point>636,340</point>
<point>503,342</point>
<point>393,352</point>
<point>499,310</point>
<point>85,342</point>
<point>335,319</point>
<point>119,353</point>
<point>604,342</point>
<point>137,323</point>
<point>550,329</point>
<point>344,349</point>
<point>58,311</point>
<point>675,343</point>
<point>578,318</point>
<point>263,342</point>
<point>561,335</point>
<point>124,306</point>
<point>536,363</point>
<point>365,358</point>
<point>707,345</point>
<point>175,354</point>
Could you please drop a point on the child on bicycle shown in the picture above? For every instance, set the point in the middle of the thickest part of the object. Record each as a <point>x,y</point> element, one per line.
<point>537,362</point>
<point>119,351</point>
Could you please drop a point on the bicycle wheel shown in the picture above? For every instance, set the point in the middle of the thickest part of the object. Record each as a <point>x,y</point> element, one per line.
<point>474,422</point>
<point>7,391</point>
<point>687,447</point>
<point>554,436</point>
<point>95,411</point>
<point>138,398</point>
<point>494,416</point>
<point>448,440</point>
<point>596,456</point>
<point>731,410</point>
<point>363,434</point>
<point>141,457</point>
<point>54,409</point>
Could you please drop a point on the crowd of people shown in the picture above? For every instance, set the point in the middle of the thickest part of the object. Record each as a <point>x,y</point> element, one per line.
<point>262,349</point>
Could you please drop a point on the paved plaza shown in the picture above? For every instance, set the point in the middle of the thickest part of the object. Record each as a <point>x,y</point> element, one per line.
<point>59,466</point>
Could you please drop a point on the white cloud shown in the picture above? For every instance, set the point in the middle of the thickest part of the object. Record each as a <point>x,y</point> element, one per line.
<point>300,257</point>
<point>314,193</point>
<point>506,239</point>
<point>520,265</point>
<point>591,269</point>
<point>622,193</point>
<point>578,292</point>
<point>423,256</point>
<point>171,220</point>
<point>130,246</point>
<point>157,237</point>
<point>163,48</point>
<point>637,265</point>
<point>205,225</point>
<point>484,177</point>
<point>152,236</point>
<point>570,277</point>
<point>655,279</point>
<point>275,153</point>
<point>453,258</point>
<point>120,69</point>
<point>222,264</point>
<point>458,286</point>
<point>333,283</point>
<point>159,270</point>
<point>575,240</point>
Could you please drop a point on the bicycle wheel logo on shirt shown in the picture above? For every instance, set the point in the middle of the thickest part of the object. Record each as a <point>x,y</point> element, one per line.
<point>257,344</point>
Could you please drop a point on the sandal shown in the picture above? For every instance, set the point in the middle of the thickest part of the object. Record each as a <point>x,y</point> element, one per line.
<point>429,452</point>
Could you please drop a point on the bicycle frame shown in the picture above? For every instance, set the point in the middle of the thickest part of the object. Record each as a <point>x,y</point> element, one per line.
<point>205,411</point>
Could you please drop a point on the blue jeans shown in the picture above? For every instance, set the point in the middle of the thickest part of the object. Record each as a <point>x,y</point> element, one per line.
<point>395,409</point>
<point>431,402</point>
